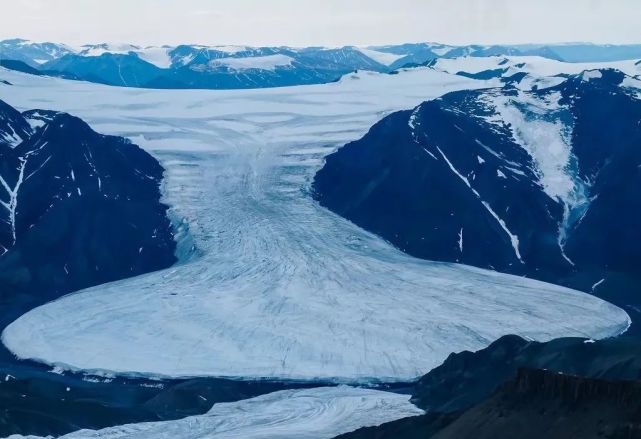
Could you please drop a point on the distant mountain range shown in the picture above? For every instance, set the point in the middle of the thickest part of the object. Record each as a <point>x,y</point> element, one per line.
<point>232,67</point>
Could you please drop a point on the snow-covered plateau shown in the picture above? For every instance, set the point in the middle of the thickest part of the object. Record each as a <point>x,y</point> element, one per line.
<point>277,286</point>
<point>317,413</point>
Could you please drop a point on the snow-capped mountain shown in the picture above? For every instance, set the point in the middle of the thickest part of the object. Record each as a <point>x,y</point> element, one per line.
<point>530,178</point>
<point>32,53</point>
<point>69,200</point>
<point>419,53</point>
<point>229,67</point>
<point>211,67</point>
<point>14,129</point>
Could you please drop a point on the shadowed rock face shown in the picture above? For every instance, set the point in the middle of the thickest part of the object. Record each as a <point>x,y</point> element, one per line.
<point>571,389</point>
<point>416,427</point>
<point>467,378</point>
<point>13,127</point>
<point>565,388</point>
<point>539,403</point>
<point>78,208</point>
<point>468,178</point>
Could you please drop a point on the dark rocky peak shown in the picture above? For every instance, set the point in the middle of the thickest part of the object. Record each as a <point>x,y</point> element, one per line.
<point>14,129</point>
<point>591,79</point>
<point>71,199</point>
<point>602,113</point>
<point>466,378</point>
<point>539,403</point>
<point>39,118</point>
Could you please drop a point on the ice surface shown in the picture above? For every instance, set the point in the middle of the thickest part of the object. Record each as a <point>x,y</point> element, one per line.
<point>380,57</point>
<point>278,287</point>
<point>317,413</point>
<point>441,50</point>
<point>268,62</point>
<point>591,74</point>
<point>158,56</point>
<point>100,49</point>
<point>545,139</point>
<point>230,49</point>
<point>534,65</point>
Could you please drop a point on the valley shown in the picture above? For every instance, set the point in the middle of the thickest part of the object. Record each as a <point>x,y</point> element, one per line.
<point>270,286</point>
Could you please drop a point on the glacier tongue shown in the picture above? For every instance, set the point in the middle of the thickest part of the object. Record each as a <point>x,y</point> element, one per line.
<point>318,413</point>
<point>279,287</point>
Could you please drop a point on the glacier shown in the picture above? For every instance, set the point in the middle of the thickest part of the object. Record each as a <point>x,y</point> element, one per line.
<point>270,284</point>
<point>316,413</point>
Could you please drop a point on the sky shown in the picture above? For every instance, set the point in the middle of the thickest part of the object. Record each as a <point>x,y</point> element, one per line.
<point>321,22</point>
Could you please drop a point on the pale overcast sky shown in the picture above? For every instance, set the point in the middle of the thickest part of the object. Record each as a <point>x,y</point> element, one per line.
<point>321,22</point>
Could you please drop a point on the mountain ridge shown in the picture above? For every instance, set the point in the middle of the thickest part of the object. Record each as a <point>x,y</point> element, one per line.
<point>218,67</point>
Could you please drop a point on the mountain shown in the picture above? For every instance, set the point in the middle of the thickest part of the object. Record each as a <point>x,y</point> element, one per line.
<point>540,403</point>
<point>71,199</point>
<point>232,67</point>
<point>108,68</point>
<point>14,128</point>
<point>520,179</point>
<point>467,378</point>
<point>32,53</point>
<point>20,66</point>
<point>593,52</point>
<point>419,53</point>
<point>556,389</point>
<point>216,67</point>
<point>535,404</point>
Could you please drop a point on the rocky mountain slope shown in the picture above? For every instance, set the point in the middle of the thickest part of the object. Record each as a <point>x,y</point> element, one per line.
<point>539,403</point>
<point>566,388</point>
<point>536,181</point>
<point>70,200</point>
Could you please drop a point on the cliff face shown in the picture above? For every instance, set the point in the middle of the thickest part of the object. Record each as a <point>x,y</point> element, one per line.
<point>467,378</point>
<point>540,403</point>
<point>565,388</point>
<point>569,389</point>
<point>535,404</point>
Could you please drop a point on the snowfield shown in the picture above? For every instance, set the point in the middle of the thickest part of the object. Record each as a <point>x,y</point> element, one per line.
<point>534,65</point>
<point>385,58</point>
<point>316,413</point>
<point>268,62</point>
<point>278,286</point>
